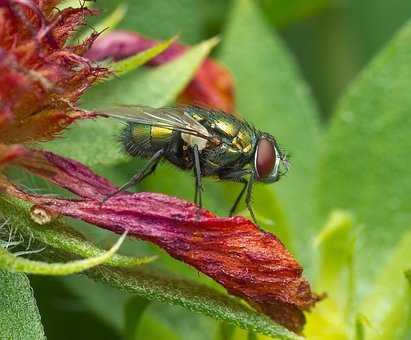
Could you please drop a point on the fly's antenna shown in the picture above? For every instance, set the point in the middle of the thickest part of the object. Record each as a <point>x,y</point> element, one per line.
<point>286,162</point>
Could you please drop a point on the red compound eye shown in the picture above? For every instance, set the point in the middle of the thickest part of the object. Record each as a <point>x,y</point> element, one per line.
<point>265,158</point>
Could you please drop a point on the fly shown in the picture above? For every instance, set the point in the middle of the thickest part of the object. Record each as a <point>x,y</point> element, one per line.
<point>209,142</point>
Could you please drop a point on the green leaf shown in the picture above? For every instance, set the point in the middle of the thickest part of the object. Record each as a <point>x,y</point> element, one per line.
<point>282,12</point>
<point>336,245</point>
<point>132,63</point>
<point>364,18</point>
<point>154,87</point>
<point>133,310</point>
<point>225,331</point>
<point>365,163</point>
<point>152,328</point>
<point>108,23</point>
<point>19,316</point>
<point>334,317</point>
<point>82,322</point>
<point>192,296</point>
<point>387,307</point>
<point>58,235</point>
<point>272,96</point>
<point>193,20</point>
<point>109,310</point>
<point>408,275</point>
<point>185,324</point>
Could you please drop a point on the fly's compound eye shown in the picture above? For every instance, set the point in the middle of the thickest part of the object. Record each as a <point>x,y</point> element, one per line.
<point>266,161</point>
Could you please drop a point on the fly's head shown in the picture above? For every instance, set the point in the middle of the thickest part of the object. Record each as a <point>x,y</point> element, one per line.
<point>270,162</point>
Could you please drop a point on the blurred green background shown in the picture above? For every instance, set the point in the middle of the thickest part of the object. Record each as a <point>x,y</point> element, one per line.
<point>331,39</point>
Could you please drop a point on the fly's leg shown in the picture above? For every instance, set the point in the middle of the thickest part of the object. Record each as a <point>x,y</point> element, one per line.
<point>197,174</point>
<point>238,199</point>
<point>148,169</point>
<point>248,198</point>
<point>236,176</point>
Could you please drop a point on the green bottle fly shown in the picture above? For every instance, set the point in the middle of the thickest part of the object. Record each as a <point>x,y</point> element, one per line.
<point>210,142</point>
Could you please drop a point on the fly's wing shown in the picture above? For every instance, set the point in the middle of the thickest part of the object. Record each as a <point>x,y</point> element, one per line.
<point>171,118</point>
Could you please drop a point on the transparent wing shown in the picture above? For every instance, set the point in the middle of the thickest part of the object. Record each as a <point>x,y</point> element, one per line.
<point>168,117</point>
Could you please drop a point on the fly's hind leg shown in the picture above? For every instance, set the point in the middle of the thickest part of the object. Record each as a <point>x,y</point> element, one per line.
<point>197,173</point>
<point>148,169</point>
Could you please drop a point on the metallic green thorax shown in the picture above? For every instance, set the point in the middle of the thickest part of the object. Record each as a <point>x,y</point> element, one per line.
<point>235,149</point>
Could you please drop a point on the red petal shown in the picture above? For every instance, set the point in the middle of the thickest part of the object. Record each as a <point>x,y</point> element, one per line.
<point>212,86</point>
<point>66,173</point>
<point>248,262</point>
<point>43,126</point>
<point>118,45</point>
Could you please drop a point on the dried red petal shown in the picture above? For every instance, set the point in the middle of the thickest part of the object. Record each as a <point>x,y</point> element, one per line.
<point>40,77</point>
<point>248,262</point>
<point>43,126</point>
<point>66,173</point>
<point>212,85</point>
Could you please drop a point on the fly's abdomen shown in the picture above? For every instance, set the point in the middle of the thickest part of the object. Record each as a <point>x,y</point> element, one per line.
<point>145,140</point>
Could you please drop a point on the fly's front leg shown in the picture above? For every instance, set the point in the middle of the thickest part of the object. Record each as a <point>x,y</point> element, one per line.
<point>238,199</point>
<point>236,176</point>
<point>197,173</point>
<point>248,198</point>
<point>148,169</point>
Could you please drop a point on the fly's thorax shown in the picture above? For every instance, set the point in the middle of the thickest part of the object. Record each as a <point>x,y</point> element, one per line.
<point>244,140</point>
<point>238,134</point>
<point>234,153</point>
<point>225,126</point>
<point>191,140</point>
<point>198,141</point>
<point>224,154</point>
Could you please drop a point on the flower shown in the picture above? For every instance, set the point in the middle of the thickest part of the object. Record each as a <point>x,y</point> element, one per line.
<point>41,75</point>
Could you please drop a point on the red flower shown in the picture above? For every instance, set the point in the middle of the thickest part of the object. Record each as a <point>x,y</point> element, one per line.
<point>212,86</point>
<point>41,77</point>
<point>248,262</point>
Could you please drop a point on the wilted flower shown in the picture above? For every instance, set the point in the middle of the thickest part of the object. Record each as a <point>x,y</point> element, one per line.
<point>41,76</point>
<point>211,86</point>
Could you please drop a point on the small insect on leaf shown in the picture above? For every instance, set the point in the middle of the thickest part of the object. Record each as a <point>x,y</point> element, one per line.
<point>210,143</point>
